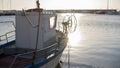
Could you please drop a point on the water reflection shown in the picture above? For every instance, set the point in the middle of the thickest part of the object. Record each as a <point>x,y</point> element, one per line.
<point>95,43</point>
<point>75,38</point>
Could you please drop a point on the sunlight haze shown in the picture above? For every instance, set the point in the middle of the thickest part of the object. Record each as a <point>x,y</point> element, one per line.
<point>60,4</point>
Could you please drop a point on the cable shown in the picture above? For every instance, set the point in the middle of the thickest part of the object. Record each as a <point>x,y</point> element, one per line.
<point>2,5</point>
<point>38,29</point>
<point>29,21</point>
<point>69,56</point>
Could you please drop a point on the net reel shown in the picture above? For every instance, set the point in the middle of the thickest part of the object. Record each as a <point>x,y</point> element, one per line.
<point>69,24</point>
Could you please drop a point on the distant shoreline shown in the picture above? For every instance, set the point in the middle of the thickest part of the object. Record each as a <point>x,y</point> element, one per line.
<point>94,11</point>
<point>6,14</point>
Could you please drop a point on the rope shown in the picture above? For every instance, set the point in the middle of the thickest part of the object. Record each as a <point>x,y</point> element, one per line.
<point>29,21</point>
<point>34,26</point>
<point>69,48</point>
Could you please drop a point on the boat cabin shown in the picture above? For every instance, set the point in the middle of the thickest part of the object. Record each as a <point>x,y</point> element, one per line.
<point>27,28</point>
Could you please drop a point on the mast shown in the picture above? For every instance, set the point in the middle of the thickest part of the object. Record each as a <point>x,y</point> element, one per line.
<point>2,4</point>
<point>10,4</point>
<point>37,37</point>
<point>37,4</point>
<point>38,7</point>
<point>107,4</point>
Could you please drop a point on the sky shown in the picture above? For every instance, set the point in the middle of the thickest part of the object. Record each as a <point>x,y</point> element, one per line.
<point>60,4</point>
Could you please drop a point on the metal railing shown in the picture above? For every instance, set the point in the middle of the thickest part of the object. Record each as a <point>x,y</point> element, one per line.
<point>12,22</point>
<point>42,53</point>
<point>7,36</point>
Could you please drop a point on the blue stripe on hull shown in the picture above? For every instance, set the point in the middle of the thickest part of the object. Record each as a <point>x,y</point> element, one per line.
<point>37,64</point>
<point>7,44</point>
<point>44,61</point>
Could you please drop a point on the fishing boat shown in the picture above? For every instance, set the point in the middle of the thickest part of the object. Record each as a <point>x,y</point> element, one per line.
<point>38,40</point>
<point>37,43</point>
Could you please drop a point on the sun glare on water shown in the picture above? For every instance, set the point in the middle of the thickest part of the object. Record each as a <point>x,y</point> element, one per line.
<point>74,39</point>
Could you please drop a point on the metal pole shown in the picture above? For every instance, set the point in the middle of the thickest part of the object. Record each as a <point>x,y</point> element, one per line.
<point>107,4</point>
<point>37,37</point>
<point>38,25</point>
<point>10,4</point>
<point>2,4</point>
<point>6,37</point>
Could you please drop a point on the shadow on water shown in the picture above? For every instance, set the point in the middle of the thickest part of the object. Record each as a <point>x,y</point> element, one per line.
<point>75,65</point>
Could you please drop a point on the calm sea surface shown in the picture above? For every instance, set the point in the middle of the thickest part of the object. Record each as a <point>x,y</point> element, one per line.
<point>95,43</point>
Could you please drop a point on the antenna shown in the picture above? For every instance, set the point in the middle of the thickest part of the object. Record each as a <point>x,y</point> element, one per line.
<point>10,4</point>
<point>37,4</point>
<point>107,4</point>
<point>2,4</point>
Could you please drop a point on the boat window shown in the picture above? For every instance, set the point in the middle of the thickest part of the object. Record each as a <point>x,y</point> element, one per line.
<point>52,22</point>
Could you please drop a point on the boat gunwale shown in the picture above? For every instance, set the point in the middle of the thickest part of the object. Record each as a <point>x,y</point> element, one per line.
<point>7,44</point>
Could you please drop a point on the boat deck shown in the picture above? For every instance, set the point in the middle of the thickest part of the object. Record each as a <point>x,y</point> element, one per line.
<point>21,58</point>
<point>5,61</point>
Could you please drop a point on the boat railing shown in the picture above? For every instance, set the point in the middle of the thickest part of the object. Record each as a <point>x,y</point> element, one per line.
<point>42,53</point>
<point>7,37</point>
<point>12,22</point>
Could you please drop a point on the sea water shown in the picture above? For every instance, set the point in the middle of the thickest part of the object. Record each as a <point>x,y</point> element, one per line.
<point>94,44</point>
